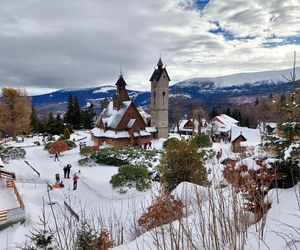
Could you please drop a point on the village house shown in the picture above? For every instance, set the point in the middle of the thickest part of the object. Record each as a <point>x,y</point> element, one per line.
<point>267,128</point>
<point>190,126</point>
<point>220,127</point>
<point>243,137</point>
<point>121,124</point>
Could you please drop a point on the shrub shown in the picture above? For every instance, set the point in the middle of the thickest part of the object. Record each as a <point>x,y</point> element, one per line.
<point>71,144</point>
<point>104,242</point>
<point>47,146</point>
<point>125,155</point>
<point>67,133</point>
<point>84,161</point>
<point>181,162</point>
<point>203,141</point>
<point>132,176</point>
<point>165,210</point>
<point>11,153</point>
<point>86,151</point>
<point>169,142</point>
<point>58,146</point>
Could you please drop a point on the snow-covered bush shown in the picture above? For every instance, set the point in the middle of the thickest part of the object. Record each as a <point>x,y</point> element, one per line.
<point>126,155</point>
<point>12,153</point>
<point>132,176</point>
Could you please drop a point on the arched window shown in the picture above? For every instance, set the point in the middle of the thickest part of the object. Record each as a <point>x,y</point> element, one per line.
<point>163,94</point>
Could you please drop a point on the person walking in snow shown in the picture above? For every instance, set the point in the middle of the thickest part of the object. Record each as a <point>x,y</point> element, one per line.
<point>56,156</point>
<point>68,170</point>
<point>75,178</point>
<point>65,171</point>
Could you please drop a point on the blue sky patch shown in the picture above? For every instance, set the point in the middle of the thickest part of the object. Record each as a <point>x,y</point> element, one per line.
<point>228,36</point>
<point>285,40</point>
<point>200,4</point>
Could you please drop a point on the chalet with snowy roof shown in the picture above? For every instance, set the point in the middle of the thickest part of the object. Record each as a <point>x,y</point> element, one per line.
<point>189,126</point>
<point>243,137</point>
<point>121,124</point>
<point>221,125</point>
<point>267,128</point>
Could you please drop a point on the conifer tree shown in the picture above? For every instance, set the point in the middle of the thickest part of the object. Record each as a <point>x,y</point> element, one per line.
<point>35,122</point>
<point>287,145</point>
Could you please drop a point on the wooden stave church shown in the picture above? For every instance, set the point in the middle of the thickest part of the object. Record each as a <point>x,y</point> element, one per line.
<point>121,124</point>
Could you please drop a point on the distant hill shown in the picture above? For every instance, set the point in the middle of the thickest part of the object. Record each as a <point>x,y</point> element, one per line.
<point>220,91</point>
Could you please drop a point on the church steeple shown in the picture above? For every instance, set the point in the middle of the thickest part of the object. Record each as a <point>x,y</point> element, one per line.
<point>160,63</point>
<point>122,94</point>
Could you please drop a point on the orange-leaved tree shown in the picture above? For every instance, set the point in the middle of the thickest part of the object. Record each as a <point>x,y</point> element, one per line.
<point>58,146</point>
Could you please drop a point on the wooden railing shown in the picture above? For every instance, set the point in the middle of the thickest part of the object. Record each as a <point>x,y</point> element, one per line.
<point>11,183</point>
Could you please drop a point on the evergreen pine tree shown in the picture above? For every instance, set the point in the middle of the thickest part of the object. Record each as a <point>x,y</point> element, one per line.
<point>70,110</point>
<point>35,122</point>
<point>77,118</point>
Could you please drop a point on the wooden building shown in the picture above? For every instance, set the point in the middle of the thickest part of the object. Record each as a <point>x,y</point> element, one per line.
<point>121,124</point>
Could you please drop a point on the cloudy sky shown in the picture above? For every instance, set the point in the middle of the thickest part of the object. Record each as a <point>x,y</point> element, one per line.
<point>47,45</point>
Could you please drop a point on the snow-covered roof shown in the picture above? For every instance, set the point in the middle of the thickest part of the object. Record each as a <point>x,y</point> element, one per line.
<point>109,133</point>
<point>111,117</point>
<point>251,135</point>
<point>144,133</point>
<point>143,113</point>
<point>271,124</point>
<point>223,123</point>
<point>130,123</point>
<point>227,119</point>
<point>151,129</point>
<point>182,123</point>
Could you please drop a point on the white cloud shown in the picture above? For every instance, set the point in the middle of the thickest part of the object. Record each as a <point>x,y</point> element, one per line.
<point>66,43</point>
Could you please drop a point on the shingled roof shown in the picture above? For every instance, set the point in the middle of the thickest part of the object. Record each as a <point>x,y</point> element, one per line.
<point>159,71</point>
<point>121,81</point>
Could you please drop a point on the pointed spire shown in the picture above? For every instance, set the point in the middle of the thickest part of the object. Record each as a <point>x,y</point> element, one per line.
<point>160,63</point>
<point>121,81</point>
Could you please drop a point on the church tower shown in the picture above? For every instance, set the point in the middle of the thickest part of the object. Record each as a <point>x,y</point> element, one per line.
<point>160,100</point>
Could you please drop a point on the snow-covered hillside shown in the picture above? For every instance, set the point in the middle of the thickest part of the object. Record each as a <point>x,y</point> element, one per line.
<point>271,77</point>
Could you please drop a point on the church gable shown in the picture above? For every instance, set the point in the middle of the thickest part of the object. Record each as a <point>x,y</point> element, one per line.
<point>131,119</point>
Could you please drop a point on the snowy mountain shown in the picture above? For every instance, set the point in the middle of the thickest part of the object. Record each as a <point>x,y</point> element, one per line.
<point>257,78</point>
<point>215,91</point>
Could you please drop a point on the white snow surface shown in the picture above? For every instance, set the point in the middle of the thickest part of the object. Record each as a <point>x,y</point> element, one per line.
<point>272,77</point>
<point>104,89</point>
<point>251,135</point>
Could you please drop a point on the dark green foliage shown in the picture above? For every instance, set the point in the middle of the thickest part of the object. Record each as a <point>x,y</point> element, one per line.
<point>107,156</point>
<point>70,144</point>
<point>88,117</point>
<point>202,141</point>
<point>132,176</point>
<point>77,116</point>
<point>47,146</point>
<point>67,133</point>
<point>86,237</point>
<point>35,123</point>
<point>124,155</point>
<point>55,126</point>
<point>181,162</point>
<point>86,151</point>
<point>84,161</point>
<point>169,142</point>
